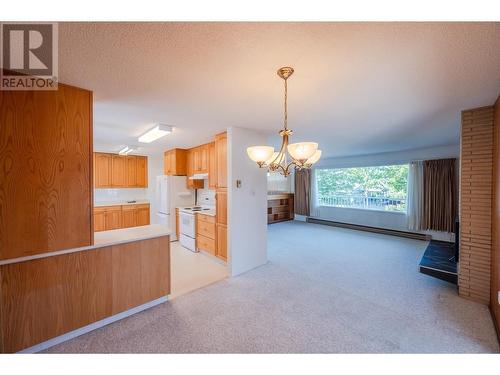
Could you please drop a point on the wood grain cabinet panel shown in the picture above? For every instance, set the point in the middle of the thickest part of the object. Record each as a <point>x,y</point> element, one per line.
<point>118,171</point>
<point>221,250</point>
<point>175,162</point>
<point>142,171</point>
<point>206,244</point>
<point>45,298</point>
<point>142,214</point>
<point>117,217</point>
<point>132,172</point>
<point>45,171</point>
<point>113,218</point>
<point>102,170</point>
<point>221,157</point>
<point>212,166</point>
<point>129,216</point>
<point>206,229</point>
<point>190,162</point>
<point>99,220</point>
<point>221,206</point>
<point>203,159</point>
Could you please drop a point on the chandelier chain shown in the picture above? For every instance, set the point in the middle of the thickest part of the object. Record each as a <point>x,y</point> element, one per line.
<point>286,106</point>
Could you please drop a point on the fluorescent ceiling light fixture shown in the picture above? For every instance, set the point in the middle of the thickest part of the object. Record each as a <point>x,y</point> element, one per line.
<point>126,150</point>
<point>157,132</point>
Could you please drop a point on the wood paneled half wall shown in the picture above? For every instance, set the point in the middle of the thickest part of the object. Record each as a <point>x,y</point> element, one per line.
<point>45,298</point>
<point>46,171</point>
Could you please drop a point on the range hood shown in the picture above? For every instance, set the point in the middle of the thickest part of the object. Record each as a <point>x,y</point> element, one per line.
<point>199,176</point>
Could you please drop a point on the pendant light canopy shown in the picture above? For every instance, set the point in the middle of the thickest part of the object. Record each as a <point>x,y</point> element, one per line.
<point>301,154</point>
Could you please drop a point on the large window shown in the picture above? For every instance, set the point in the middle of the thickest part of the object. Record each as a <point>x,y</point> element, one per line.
<point>377,188</point>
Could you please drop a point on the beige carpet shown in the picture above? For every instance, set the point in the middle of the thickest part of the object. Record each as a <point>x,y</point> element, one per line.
<point>324,290</point>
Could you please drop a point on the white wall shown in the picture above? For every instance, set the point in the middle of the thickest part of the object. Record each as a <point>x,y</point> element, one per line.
<point>247,205</point>
<point>382,219</point>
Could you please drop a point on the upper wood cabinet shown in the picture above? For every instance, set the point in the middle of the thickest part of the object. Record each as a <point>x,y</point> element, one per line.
<point>102,169</point>
<point>117,171</point>
<point>212,166</point>
<point>131,171</point>
<point>221,157</point>
<point>142,171</point>
<point>198,160</point>
<point>175,162</point>
<point>45,171</point>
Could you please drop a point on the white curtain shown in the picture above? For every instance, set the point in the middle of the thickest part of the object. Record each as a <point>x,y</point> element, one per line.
<point>314,208</point>
<point>415,198</point>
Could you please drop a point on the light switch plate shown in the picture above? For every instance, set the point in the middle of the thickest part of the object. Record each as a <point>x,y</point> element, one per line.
<point>499,297</point>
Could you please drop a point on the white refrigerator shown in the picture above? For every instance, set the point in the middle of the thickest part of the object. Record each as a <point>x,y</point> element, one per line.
<point>171,192</point>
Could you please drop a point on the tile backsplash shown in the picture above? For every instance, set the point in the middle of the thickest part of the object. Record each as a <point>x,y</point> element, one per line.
<point>206,197</point>
<point>119,195</point>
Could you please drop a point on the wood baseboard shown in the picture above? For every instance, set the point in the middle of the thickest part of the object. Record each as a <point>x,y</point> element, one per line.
<point>391,232</point>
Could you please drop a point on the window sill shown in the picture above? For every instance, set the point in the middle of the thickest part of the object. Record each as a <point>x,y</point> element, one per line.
<point>365,209</point>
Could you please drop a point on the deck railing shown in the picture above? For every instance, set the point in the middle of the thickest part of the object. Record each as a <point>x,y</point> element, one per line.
<point>360,201</point>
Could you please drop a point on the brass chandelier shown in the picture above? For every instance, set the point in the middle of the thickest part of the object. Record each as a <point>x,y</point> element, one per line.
<point>302,154</point>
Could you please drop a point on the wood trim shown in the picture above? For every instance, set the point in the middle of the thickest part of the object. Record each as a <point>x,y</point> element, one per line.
<point>91,166</point>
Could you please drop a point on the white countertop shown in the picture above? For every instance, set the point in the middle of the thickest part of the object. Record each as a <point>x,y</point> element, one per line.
<point>117,236</point>
<point>104,239</point>
<point>119,203</point>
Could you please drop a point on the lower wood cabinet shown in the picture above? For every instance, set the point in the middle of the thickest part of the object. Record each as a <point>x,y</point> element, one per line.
<point>206,233</point>
<point>221,250</point>
<point>116,217</point>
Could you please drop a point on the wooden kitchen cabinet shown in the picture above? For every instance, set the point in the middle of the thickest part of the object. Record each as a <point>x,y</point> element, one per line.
<point>120,171</point>
<point>212,166</point>
<point>142,171</point>
<point>221,223</point>
<point>190,162</point>
<point>129,216</point>
<point>102,170</point>
<point>221,205</point>
<point>99,219</point>
<point>221,250</point>
<point>175,162</point>
<point>131,170</point>
<point>142,214</point>
<point>117,217</point>
<point>206,233</point>
<point>195,184</point>
<point>221,159</point>
<point>113,217</point>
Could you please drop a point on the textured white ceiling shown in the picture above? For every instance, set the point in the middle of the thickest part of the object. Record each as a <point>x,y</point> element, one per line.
<point>358,88</point>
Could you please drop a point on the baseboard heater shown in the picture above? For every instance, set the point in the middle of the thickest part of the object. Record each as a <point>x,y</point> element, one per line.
<point>365,228</point>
